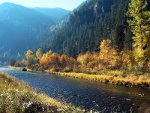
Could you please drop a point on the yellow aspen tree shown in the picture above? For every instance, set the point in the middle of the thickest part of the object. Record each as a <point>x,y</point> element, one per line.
<point>140,25</point>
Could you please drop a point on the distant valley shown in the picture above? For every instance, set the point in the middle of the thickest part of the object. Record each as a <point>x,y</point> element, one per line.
<point>27,27</point>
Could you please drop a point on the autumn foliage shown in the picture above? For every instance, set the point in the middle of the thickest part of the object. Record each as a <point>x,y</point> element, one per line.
<point>107,59</point>
<point>109,56</point>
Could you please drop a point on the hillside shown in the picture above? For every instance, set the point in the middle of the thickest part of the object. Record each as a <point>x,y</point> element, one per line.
<point>24,26</point>
<point>55,13</point>
<point>88,24</point>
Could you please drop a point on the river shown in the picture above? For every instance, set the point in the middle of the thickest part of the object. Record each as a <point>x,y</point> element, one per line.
<point>88,95</point>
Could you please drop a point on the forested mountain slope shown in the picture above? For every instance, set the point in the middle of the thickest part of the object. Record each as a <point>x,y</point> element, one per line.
<point>88,24</point>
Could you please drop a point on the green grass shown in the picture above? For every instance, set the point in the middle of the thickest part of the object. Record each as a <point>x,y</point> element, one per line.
<point>17,97</point>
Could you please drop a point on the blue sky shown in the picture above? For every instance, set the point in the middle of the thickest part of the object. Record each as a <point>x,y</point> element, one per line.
<point>66,4</point>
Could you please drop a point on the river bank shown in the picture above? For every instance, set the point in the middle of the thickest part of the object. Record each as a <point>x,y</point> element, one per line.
<point>111,77</point>
<point>117,77</point>
<point>89,95</point>
<point>19,97</point>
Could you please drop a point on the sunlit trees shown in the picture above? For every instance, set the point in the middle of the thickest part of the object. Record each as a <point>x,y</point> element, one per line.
<point>88,60</point>
<point>67,63</point>
<point>108,55</point>
<point>39,53</point>
<point>30,57</point>
<point>140,26</point>
<point>94,61</point>
<point>45,59</point>
<point>55,62</point>
<point>148,64</point>
<point>128,61</point>
<point>72,61</point>
<point>64,59</point>
<point>108,58</point>
<point>50,60</point>
<point>105,48</point>
<point>84,59</point>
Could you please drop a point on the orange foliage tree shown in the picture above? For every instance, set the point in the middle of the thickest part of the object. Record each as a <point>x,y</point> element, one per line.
<point>45,59</point>
<point>50,59</point>
<point>89,60</point>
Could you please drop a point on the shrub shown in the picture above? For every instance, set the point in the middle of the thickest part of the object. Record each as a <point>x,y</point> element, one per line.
<point>109,56</point>
<point>128,61</point>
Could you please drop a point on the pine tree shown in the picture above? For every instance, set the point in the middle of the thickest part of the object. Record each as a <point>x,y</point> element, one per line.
<point>140,26</point>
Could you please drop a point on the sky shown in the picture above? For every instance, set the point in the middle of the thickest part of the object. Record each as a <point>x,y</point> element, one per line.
<point>66,4</point>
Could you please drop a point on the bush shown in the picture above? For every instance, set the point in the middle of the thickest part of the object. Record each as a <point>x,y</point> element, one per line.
<point>128,61</point>
<point>109,56</point>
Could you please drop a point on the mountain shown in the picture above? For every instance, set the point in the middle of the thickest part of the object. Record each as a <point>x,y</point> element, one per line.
<point>23,28</point>
<point>88,24</point>
<point>55,13</point>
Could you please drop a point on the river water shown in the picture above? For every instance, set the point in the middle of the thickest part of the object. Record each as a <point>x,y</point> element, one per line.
<point>88,95</point>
